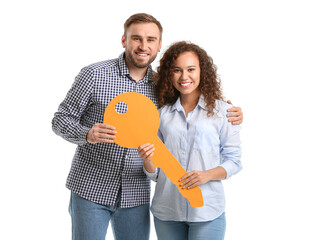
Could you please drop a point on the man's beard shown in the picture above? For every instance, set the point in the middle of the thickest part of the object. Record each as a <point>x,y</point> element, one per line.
<point>130,59</point>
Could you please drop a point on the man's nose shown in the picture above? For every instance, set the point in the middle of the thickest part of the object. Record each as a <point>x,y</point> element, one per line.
<point>143,45</point>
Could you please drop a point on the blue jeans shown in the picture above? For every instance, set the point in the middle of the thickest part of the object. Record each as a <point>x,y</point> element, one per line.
<point>172,230</point>
<point>90,220</point>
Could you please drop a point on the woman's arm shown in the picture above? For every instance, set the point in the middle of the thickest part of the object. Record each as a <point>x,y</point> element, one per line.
<point>230,150</point>
<point>146,151</point>
<point>195,178</point>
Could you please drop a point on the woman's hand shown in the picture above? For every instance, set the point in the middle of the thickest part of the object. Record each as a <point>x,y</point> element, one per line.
<point>146,152</point>
<point>194,178</point>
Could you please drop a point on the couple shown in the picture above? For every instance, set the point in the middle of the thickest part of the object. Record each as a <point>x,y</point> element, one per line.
<point>109,182</point>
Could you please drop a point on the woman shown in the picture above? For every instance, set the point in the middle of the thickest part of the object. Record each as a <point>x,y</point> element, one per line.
<point>195,129</point>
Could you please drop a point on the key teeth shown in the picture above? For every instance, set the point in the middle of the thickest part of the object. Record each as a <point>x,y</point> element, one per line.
<point>194,196</point>
<point>196,204</point>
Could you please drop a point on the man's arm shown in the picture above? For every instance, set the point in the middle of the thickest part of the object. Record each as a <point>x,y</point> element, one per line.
<point>66,121</point>
<point>235,114</point>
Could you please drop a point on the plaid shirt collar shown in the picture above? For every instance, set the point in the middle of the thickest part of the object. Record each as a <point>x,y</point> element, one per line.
<point>124,71</point>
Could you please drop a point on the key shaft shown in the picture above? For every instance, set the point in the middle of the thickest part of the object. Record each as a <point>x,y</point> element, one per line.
<point>139,125</point>
<point>166,161</point>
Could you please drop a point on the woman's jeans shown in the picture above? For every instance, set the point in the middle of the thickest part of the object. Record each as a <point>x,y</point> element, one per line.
<point>172,230</point>
<point>90,220</point>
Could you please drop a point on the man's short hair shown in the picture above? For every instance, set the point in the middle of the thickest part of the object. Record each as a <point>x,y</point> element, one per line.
<point>142,18</point>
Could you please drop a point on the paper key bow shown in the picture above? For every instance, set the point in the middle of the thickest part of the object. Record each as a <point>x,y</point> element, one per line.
<point>137,124</point>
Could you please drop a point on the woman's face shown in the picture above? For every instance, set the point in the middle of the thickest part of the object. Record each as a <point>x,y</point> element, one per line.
<point>186,74</point>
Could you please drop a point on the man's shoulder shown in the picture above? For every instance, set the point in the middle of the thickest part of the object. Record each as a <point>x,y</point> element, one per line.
<point>106,64</point>
<point>222,104</point>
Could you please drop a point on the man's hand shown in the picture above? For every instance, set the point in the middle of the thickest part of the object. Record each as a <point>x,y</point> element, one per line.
<point>235,114</point>
<point>101,133</point>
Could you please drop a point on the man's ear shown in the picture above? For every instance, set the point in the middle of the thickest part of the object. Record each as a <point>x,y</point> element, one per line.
<point>159,46</point>
<point>123,41</point>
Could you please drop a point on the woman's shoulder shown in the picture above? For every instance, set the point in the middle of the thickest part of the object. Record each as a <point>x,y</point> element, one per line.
<point>164,109</point>
<point>221,107</point>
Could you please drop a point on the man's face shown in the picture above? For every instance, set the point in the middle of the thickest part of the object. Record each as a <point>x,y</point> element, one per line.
<point>142,43</point>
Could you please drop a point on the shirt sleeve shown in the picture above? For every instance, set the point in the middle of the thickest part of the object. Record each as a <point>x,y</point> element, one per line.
<point>152,176</point>
<point>66,122</point>
<point>230,146</point>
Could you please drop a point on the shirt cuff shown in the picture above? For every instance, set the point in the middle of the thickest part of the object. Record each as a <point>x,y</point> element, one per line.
<point>83,134</point>
<point>152,176</point>
<point>231,168</point>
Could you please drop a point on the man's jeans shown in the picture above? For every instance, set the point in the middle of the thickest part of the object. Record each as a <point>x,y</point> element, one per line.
<point>90,220</point>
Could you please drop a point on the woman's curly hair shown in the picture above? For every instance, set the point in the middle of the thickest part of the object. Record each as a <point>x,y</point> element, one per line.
<point>209,86</point>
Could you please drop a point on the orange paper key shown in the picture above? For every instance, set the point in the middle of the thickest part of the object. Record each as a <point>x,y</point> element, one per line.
<point>139,125</point>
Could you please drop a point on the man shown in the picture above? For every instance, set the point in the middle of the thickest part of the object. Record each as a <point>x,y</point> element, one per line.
<point>107,181</point>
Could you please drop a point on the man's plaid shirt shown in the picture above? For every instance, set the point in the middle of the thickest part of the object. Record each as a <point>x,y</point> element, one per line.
<point>100,170</point>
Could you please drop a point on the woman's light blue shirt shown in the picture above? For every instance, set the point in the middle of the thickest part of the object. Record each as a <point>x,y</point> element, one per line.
<point>198,142</point>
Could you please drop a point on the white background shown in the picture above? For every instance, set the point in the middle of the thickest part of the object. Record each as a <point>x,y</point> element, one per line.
<point>272,58</point>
